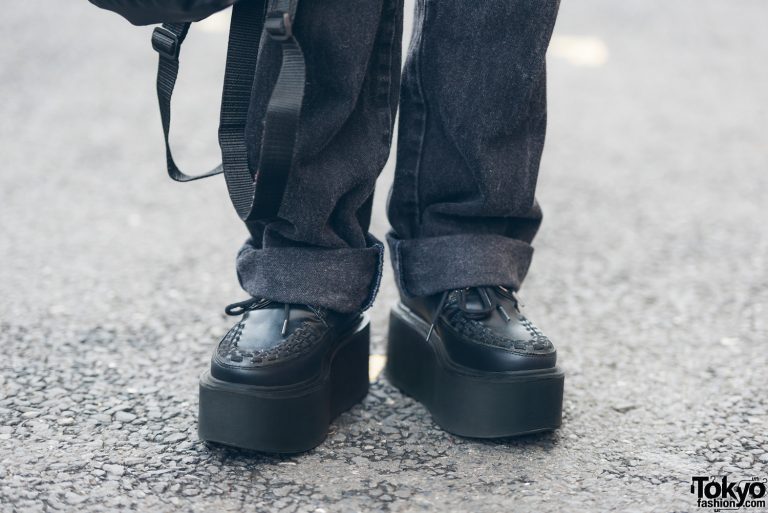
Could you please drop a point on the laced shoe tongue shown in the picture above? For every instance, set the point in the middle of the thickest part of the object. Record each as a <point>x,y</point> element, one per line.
<point>483,300</point>
<point>480,302</point>
<point>475,302</point>
<point>258,303</point>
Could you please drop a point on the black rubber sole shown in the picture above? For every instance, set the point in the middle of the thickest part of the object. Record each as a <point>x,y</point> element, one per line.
<point>465,401</point>
<point>287,419</point>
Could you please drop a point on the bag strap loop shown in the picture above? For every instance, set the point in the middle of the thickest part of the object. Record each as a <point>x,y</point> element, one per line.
<point>281,119</point>
<point>166,41</point>
<point>255,194</point>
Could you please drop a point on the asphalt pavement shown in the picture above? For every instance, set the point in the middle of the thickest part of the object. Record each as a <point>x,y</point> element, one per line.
<point>650,275</point>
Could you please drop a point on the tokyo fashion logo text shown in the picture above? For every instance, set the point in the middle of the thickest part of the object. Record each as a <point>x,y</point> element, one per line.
<point>717,493</point>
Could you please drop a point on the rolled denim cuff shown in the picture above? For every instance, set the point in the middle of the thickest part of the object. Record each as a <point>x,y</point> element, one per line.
<point>430,265</point>
<point>345,280</point>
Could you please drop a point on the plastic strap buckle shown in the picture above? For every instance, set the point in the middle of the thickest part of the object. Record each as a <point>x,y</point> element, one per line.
<point>166,43</point>
<point>279,25</point>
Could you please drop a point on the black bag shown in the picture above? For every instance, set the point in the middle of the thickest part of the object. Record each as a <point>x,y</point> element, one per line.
<point>256,191</point>
<point>147,12</point>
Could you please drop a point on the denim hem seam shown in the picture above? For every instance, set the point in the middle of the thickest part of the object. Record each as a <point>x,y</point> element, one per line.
<point>340,279</point>
<point>376,283</point>
<point>434,264</point>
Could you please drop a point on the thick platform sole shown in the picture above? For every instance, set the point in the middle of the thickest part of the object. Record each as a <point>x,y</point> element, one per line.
<point>286,419</point>
<point>465,401</point>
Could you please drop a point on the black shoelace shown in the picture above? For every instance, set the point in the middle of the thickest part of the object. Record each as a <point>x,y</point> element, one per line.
<point>489,300</point>
<point>258,303</point>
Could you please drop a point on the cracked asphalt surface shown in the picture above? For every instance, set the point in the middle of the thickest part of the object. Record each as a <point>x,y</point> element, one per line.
<point>651,276</point>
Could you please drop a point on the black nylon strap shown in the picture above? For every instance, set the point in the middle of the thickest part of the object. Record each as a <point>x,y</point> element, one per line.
<point>167,40</point>
<point>242,54</point>
<point>281,121</point>
<point>255,195</point>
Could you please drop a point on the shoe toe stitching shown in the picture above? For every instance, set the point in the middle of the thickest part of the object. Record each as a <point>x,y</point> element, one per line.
<point>302,339</point>
<point>538,344</point>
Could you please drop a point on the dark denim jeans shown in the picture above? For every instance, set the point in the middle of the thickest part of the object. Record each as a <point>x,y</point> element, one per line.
<point>472,124</point>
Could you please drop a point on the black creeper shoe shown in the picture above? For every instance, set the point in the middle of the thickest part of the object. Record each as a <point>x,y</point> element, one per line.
<point>281,375</point>
<point>476,362</point>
